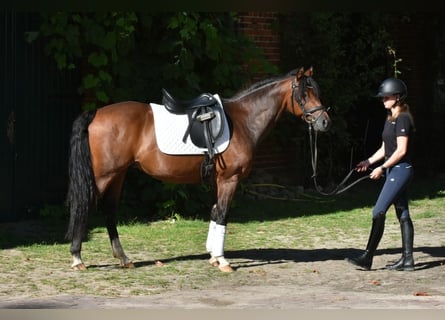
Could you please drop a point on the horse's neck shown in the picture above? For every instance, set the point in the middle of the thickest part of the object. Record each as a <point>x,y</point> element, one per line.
<point>263,112</point>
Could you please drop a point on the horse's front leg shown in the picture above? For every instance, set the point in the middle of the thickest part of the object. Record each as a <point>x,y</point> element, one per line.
<point>215,242</point>
<point>218,224</point>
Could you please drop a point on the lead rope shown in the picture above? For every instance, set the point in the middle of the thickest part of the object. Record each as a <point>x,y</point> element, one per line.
<point>314,153</point>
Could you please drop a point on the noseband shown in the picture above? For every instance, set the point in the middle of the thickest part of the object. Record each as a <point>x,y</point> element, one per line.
<point>298,94</point>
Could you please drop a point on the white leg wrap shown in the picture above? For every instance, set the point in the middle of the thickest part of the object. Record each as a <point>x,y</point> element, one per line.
<point>76,260</point>
<point>218,242</point>
<point>210,236</point>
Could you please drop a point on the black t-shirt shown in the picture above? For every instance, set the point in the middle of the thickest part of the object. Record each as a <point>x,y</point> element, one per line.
<point>402,126</point>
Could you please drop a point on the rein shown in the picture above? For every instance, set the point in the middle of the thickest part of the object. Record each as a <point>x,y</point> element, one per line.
<point>340,187</point>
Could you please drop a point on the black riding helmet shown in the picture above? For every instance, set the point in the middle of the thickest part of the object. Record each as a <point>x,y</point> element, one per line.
<point>393,86</point>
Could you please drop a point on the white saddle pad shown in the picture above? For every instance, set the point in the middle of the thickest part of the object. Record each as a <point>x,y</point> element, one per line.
<point>170,129</point>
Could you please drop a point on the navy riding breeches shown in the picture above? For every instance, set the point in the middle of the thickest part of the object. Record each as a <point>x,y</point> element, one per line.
<point>394,191</point>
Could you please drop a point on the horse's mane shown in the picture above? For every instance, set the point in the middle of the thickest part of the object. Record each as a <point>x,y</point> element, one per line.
<point>259,85</point>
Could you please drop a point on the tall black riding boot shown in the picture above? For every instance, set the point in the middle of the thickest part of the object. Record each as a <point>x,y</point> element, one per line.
<point>365,260</point>
<point>406,262</point>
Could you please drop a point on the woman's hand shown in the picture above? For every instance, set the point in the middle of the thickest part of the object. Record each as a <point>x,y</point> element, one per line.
<point>362,166</point>
<point>377,173</point>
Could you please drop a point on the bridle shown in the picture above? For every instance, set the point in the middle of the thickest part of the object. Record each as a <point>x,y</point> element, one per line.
<point>298,95</point>
<point>308,116</point>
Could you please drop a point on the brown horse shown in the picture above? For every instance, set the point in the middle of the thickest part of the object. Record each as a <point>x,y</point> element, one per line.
<point>107,141</point>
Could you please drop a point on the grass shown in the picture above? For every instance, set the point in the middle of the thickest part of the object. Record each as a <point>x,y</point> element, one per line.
<point>36,259</point>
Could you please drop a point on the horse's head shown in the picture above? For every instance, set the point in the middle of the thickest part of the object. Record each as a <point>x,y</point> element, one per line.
<point>306,93</point>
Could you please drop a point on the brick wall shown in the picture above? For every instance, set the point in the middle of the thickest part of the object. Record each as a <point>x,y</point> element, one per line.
<point>276,161</point>
<point>261,28</point>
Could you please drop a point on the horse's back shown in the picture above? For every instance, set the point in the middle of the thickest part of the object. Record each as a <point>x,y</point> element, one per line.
<point>129,115</point>
<point>121,111</point>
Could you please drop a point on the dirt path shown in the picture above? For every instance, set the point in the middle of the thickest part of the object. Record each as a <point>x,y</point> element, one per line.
<point>258,297</point>
<point>329,283</point>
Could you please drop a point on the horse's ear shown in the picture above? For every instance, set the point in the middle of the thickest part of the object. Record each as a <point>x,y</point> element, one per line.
<point>309,72</point>
<point>300,73</point>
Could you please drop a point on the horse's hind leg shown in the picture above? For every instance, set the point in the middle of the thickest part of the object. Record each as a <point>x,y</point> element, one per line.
<point>76,247</point>
<point>110,202</point>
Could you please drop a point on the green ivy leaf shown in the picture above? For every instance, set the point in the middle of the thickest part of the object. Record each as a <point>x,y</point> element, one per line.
<point>98,59</point>
<point>60,60</point>
<point>102,96</point>
<point>90,81</point>
<point>105,76</point>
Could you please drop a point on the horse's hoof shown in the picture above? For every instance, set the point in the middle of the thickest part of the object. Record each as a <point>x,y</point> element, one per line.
<point>226,268</point>
<point>128,265</point>
<point>79,267</point>
<point>214,262</point>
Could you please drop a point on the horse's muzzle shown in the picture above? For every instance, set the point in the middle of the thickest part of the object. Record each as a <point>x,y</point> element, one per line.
<point>322,123</point>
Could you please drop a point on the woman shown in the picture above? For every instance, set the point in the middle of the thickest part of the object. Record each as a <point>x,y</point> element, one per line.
<point>395,153</point>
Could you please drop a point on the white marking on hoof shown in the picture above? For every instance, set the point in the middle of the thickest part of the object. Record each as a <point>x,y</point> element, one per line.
<point>128,265</point>
<point>214,262</point>
<point>78,267</point>
<point>223,264</point>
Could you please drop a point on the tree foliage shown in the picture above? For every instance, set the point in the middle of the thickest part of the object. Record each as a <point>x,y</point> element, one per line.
<point>132,55</point>
<point>92,42</point>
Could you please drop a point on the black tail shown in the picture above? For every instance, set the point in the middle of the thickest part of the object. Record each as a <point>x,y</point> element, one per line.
<point>81,195</point>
